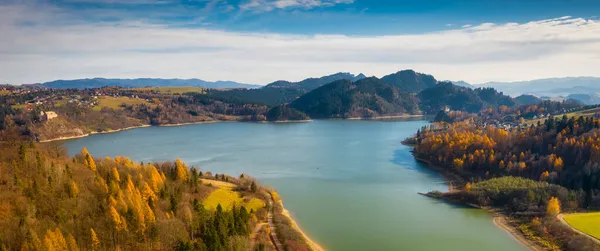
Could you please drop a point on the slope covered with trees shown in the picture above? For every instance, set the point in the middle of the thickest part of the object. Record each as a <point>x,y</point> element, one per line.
<point>310,84</point>
<point>369,97</point>
<point>563,151</point>
<point>52,202</point>
<point>461,98</point>
<point>410,81</point>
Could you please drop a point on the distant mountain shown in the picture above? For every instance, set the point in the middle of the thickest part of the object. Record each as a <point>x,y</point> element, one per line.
<point>142,82</point>
<point>368,97</point>
<point>310,84</point>
<point>528,100</point>
<point>410,81</point>
<point>462,84</point>
<point>461,98</point>
<point>551,87</point>
<point>587,99</point>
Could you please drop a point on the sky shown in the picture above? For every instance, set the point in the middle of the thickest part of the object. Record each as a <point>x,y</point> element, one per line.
<point>261,41</point>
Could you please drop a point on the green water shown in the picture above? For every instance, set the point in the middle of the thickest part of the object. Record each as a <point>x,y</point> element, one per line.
<point>350,185</point>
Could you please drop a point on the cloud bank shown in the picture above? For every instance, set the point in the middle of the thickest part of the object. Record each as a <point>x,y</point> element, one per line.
<point>41,45</point>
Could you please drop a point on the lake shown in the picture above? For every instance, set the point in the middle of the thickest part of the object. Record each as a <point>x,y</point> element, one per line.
<point>350,185</point>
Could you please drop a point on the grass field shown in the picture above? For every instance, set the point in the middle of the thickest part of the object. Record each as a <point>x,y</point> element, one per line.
<point>171,89</point>
<point>115,102</point>
<point>59,103</point>
<point>584,113</point>
<point>21,106</point>
<point>588,223</point>
<point>225,196</point>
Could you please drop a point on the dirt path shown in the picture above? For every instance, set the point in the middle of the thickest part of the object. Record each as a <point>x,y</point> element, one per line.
<point>274,238</point>
<point>258,227</point>
<point>501,222</point>
<point>560,217</point>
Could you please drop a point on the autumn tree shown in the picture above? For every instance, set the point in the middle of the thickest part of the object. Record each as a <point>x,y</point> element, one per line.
<point>553,208</point>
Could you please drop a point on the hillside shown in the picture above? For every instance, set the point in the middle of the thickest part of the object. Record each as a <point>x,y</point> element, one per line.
<point>51,201</point>
<point>528,100</point>
<point>142,82</point>
<point>410,81</point>
<point>310,84</point>
<point>461,98</point>
<point>369,97</point>
<point>551,87</point>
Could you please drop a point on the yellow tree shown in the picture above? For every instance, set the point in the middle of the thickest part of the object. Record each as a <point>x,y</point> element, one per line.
<point>90,163</point>
<point>559,164</point>
<point>72,243</point>
<point>95,240</point>
<point>553,208</point>
<point>544,176</point>
<point>468,187</point>
<point>181,170</point>
<point>54,240</point>
<point>114,174</point>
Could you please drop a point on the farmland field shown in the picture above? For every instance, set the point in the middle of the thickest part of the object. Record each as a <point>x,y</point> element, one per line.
<point>588,223</point>
<point>171,89</point>
<point>115,102</point>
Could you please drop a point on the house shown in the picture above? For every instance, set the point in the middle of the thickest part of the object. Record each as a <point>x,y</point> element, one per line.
<point>48,115</point>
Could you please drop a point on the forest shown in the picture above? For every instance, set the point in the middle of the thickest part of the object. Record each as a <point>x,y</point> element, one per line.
<point>532,173</point>
<point>50,201</point>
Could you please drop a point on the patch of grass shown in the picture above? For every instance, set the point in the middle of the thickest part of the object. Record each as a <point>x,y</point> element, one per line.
<point>223,196</point>
<point>255,204</point>
<point>171,89</point>
<point>21,106</point>
<point>588,223</point>
<point>59,103</point>
<point>116,102</point>
<point>218,183</point>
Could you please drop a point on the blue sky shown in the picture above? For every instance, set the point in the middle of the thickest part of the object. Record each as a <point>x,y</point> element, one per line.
<point>350,17</point>
<point>260,41</point>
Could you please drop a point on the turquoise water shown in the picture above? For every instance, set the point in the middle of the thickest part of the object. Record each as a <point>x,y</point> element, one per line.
<point>350,185</point>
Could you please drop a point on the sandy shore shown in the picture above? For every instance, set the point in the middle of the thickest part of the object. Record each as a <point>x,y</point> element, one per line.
<point>387,117</point>
<point>313,245</point>
<point>92,133</point>
<point>501,222</point>
<point>196,123</point>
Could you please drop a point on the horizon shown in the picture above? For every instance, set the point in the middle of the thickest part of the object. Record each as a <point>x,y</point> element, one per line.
<point>262,41</point>
<point>298,80</point>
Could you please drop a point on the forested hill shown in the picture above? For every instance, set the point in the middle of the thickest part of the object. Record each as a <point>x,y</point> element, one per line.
<point>461,98</point>
<point>50,201</point>
<point>142,82</point>
<point>410,81</point>
<point>367,97</point>
<point>310,84</point>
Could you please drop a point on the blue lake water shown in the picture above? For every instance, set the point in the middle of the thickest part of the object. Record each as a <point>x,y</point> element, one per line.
<point>350,185</point>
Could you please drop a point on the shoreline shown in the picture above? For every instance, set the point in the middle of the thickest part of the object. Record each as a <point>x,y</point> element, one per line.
<point>312,244</point>
<point>222,121</point>
<point>499,219</point>
<point>92,133</point>
<point>387,117</point>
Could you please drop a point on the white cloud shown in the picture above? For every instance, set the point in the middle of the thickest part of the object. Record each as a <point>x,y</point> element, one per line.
<point>269,5</point>
<point>38,46</point>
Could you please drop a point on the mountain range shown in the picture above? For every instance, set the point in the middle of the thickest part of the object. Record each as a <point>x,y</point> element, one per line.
<point>142,82</point>
<point>583,89</point>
